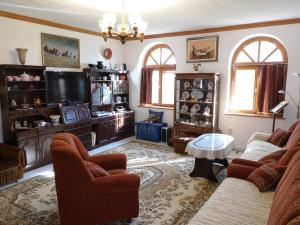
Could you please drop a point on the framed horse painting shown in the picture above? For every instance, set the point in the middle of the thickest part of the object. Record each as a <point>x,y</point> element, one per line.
<point>59,51</point>
<point>202,49</point>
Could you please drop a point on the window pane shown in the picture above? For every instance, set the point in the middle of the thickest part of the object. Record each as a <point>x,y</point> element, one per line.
<point>266,48</point>
<point>168,87</point>
<point>150,61</point>
<point>165,53</point>
<point>242,57</point>
<point>244,86</point>
<point>155,86</point>
<point>252,50</point>
<point>156,55</point>
<point>275,57</point>
<point>171,60</point>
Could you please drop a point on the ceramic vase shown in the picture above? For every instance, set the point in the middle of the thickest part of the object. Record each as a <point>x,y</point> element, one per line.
<point>22,54</point>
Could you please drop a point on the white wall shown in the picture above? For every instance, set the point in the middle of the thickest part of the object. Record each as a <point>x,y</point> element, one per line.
<point>19,34</point>
<point>242,126</point>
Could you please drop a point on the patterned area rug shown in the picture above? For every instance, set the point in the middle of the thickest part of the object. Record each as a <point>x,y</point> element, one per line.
<point>168,195</point>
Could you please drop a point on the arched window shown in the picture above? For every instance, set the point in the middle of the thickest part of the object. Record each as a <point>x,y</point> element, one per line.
<point>159,66</point>
<point>258,72</point>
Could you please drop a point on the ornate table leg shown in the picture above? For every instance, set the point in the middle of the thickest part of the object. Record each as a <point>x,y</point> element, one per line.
<point>204,168</point>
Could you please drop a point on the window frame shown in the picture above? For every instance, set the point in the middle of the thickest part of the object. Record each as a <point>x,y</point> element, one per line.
<point>161,68</point>
<point>255,65</point>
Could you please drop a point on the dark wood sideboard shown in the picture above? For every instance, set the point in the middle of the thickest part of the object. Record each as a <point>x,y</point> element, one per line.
<point>37,140</point>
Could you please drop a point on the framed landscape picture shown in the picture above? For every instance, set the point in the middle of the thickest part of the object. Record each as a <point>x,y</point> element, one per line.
<point>202,49</point>
<point>59,51</point>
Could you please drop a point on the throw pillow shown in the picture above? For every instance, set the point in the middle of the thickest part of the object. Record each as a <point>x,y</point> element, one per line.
<point>158,115</point>
<point>294,125</point>
<point>266,176</point>
<point>290,152</point>
<point>279,137</point>
<point>295,137</point>
<point>272,157</point>
<point>96,170</point>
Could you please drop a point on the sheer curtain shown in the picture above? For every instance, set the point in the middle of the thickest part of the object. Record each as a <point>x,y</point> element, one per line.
<point>146,86</point>
<point>271,79</point>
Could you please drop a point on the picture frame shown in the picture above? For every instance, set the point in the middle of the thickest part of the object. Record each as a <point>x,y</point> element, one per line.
<point>202,49</point>
<point>60,51</point>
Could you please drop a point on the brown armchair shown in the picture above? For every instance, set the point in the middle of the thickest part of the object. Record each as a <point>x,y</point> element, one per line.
<point>12,163</point>
<point>84,199</point>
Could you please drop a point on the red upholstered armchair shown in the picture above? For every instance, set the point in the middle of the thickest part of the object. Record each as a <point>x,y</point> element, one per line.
<point>84,199</point>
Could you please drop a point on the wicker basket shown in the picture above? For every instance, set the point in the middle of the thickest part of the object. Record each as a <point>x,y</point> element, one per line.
<point>180,144</point>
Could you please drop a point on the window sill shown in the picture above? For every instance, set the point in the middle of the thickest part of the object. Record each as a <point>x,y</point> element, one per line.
<point>253,115</point>
<point>155,106</point>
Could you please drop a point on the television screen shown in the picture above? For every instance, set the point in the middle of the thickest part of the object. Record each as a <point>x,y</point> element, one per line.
<point>66,86</point>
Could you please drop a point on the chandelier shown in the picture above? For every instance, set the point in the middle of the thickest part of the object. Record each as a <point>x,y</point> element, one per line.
<point>134,30</point>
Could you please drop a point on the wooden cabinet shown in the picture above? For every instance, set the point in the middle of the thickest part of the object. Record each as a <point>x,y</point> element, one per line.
<point>196,104</point>
<point>114,127</point>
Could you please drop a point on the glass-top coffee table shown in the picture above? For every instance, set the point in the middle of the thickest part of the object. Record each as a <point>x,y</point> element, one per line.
<point>208,149</point>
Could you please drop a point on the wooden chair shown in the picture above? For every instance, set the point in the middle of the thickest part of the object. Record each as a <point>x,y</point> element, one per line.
<point>12,163</point>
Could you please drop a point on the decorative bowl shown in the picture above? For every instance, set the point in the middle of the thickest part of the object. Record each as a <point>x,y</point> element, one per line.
<point>55,119</point>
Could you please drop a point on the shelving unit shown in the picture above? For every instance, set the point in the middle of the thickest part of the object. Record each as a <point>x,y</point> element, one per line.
<point>196,104</point>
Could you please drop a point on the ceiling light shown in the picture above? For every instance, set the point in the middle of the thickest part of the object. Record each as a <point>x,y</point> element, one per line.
<point>135,29</point>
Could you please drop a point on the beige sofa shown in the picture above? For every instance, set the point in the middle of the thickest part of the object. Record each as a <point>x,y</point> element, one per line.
<point>236,201</point>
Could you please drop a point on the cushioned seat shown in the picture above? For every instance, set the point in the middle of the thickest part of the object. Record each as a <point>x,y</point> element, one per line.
<point>92,190</point>
<point>235,202</point>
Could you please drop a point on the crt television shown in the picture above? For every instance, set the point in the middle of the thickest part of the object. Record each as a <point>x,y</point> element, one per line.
<point>66,86</point>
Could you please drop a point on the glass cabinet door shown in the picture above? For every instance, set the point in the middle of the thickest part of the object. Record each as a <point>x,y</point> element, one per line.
<point>194,101</point>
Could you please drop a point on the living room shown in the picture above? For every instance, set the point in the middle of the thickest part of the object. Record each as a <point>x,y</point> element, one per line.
<point>241,38</point>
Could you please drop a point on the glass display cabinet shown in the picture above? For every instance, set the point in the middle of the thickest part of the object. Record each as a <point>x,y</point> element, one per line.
<point>196,104</point>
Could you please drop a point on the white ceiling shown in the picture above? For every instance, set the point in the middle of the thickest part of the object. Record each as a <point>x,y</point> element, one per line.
<point>163,16</point>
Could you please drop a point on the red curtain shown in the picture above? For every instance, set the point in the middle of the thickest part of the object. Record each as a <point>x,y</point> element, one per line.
<point>271,79</point>
<point>146,86</point>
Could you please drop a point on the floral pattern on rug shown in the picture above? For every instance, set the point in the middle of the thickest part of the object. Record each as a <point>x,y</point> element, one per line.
<point>168,195</point>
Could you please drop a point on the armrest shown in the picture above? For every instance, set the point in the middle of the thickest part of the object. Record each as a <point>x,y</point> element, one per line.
<point>13,153</point>
<point>247,162</point>
<point>109,161</point>
<point>117,183</point>
<point>259,136</point>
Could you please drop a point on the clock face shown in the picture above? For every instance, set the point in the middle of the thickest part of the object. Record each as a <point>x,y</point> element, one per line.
<point>107,53</point>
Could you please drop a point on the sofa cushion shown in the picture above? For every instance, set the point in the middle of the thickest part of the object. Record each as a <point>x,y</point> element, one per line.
<point>96,170</point>
<point>293,126</point>
<point>290,152</point>
<point>279,137</point>
<point>294,138</point>
<point>266,176</point>
<point>286,204</point>
<point>235,202</point>
<point>272,157</point>
<point>256,149</point>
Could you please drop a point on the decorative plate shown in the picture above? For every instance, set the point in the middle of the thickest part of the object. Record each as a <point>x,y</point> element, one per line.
<point>197,83</point>
<point>206,111</point>
<point>197,94</point>
<point>209,97</point>
<point>107,53</point>
<point>118,99</point>
<point>210,85</point>
<point>197,107</point>
<point>184,108</point>
<point>186,85</point>
<point>185,95</point>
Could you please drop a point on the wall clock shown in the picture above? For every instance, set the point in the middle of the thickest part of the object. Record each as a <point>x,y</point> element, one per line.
<point>107,53</point>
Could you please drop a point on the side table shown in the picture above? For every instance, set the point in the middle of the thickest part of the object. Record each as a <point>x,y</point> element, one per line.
<point>208,149</point>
